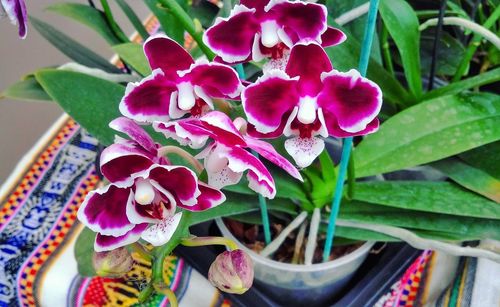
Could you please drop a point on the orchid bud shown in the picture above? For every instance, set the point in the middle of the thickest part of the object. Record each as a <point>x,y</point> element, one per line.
<point>232,272</point>
<point>112,264</point>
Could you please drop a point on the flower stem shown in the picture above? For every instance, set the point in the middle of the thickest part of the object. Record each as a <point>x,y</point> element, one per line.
<point>204,241</point>
<point>184,154</point>
<point>351,177</point>
<point>188,25</point>
<point>262,201</point>
<point>145,293</point>
<point>347,145</point>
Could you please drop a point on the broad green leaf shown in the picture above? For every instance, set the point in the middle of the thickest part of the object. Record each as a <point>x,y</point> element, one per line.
<point>84,251</point>
<point>168,22</point>
<point>133,18</point>
<point>460,86</point>
<point>239,204</point>
<point>486,158</point>
<point>430,131</point>
<point>205,11</point>
<point>468,227</point>
<point>87,15</point>
<point>71,48</point>
<point>27,89</point>
<point>402,24</point>
<point>91,101</point>
<point>427,196</point>
<point>346,56</point>
<point>469,177</point>
<point>133,54</point>
<point>362,235</point>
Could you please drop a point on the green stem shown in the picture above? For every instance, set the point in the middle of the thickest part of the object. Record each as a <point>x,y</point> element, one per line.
<point>474,44</point>
<point>351,177</point>
<point>188,24</point>
<point>386,52</point>
<point>111,21</point>
<point>204,241</point>
<point>145,293</point>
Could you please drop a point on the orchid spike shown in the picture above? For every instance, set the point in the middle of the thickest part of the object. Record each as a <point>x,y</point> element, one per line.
<point>310,100</point>
<point>178,86</point>
<point>16,10</point>
<point>258,29</point>
<point>228,156</point>
<point>144,206</point>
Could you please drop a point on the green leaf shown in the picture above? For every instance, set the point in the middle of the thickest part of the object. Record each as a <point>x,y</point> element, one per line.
<point>460,86</point>
<point>430,131</point>
<point>238,204</point>
<point>91,101</point>
<point>468,227</point>
<point>84,251</point>
<point>346,56</point>
<point>133,55</point>
<point>485,158</point>
<point>87,15</point>
<point>170,25</point>
<point>402,24</point>
<point>27,89</point>
<point>205,11</point>
<point>427,196</point>
<point>469,177</point>
<point>133,18</point>
<point>71,48</point>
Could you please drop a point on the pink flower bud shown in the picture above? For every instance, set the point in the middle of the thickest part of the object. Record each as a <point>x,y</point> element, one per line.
<point>112,264</point>
<point>232,272</point>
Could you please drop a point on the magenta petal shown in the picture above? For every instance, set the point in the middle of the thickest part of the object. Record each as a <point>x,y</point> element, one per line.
<point>232,38</point>
<point>267,151</point>
<point>240,160</point>
<point>353,100</point>
<point>269,100</point>
<point>188,132</point>
<point>334,129</point>
<point>209,198</point>
<point>216,80</point>
<point>258,5</point>
<point>104,210</point>
<point>149,99</point>
<point>120,160</point>
<point>332,37</point>
<point>300,20</point>
<point>223,128</point>
<point>260,186</point>
<point>106,243</point>
<point>165,53</point>
<point>135,132</point>
<point>300,64</point>
<point>16,10</point>
<point>180,181</point>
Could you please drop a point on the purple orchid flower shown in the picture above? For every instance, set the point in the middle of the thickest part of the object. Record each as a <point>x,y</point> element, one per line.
<point>178,85</point>
<point>311,99</point>
<point>258,29</point>
<point>16,10</point>
<point>227,157</point>
<point>144,193</point>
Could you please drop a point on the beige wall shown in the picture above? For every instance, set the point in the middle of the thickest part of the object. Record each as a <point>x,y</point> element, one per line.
<point>22,123</point>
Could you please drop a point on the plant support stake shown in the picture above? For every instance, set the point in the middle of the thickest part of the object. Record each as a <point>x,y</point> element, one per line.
<point>347,144</point>
<point>262,201</point>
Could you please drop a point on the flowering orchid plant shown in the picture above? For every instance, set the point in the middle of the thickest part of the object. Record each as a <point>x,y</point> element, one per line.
<point>188,126</point>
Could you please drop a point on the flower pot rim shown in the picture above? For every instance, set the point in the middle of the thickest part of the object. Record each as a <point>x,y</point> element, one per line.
<point>359,252</point>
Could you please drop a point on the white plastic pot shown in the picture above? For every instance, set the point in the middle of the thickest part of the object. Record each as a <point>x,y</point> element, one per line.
<point>294,284</point>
